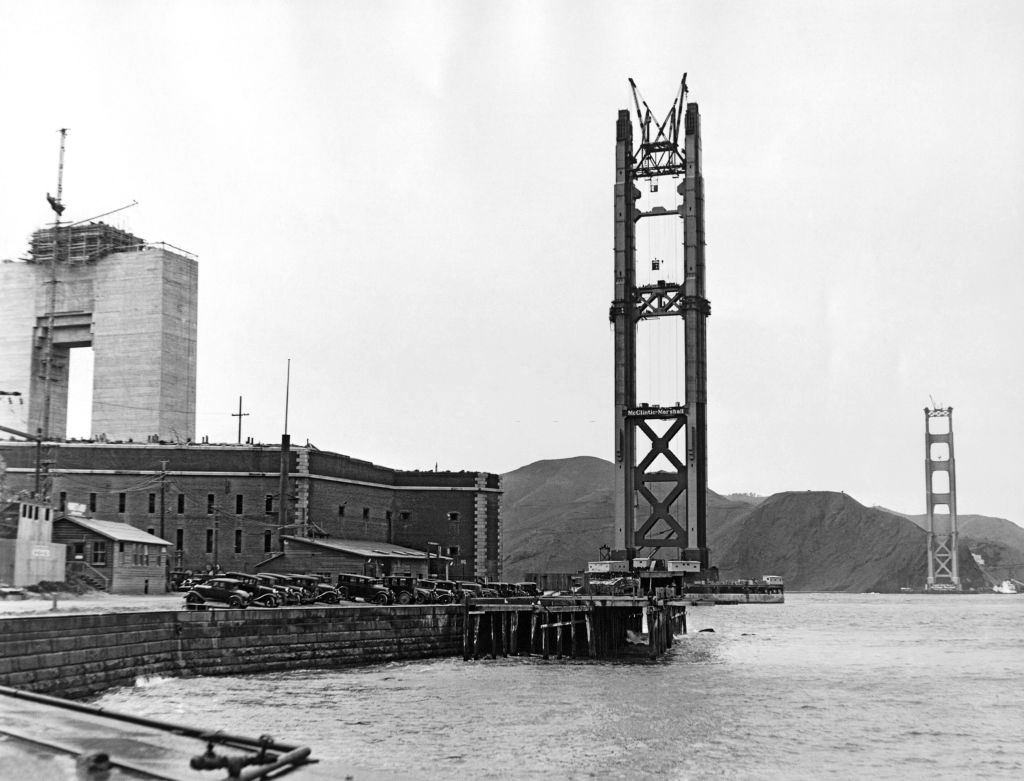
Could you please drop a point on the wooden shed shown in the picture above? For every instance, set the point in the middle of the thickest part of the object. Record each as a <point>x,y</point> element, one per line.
<point>331,557</point>
<point>112,556</point>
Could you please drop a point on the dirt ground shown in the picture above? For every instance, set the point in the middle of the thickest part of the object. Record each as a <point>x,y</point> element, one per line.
<point>97,602</point>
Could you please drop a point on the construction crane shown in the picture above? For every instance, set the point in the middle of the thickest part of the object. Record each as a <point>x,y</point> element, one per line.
<point>57,204</point>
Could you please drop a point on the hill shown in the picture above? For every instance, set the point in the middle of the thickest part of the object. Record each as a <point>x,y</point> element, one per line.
<point>998,542</point>
<point>558,513</point>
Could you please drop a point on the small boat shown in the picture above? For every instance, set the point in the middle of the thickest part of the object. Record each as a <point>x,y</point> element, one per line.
<point>1006,587</point>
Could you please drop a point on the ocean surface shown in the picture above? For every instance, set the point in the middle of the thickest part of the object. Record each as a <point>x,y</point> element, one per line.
<point>824,686</point>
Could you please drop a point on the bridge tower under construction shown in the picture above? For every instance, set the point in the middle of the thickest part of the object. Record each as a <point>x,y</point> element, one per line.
<point>940,491</point>
<point>659,313</point>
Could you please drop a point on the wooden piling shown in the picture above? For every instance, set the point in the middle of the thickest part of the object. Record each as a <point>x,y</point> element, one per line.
<point>477,636</point>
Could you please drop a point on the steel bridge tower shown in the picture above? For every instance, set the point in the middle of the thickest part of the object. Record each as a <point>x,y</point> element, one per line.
<point>940,490</point>
<point>660,499</point>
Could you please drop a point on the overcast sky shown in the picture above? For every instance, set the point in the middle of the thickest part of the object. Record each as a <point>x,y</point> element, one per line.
<point>413,202</point>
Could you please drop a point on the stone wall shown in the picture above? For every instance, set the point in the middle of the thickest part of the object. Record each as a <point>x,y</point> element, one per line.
<point>77,656</point>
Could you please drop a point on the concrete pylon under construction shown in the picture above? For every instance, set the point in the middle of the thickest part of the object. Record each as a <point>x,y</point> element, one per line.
<point>133,302</point>
<point>940,492</point>
<point>661,494</point>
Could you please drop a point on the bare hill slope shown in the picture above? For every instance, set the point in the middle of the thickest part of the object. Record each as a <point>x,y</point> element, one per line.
<point>558,513</point>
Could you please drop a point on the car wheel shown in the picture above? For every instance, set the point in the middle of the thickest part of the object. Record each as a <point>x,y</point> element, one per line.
<point>381,599</point>
<point>331,599</point>
<point>444,599</point>
<point>194,598</point>
<point>404,598</point>
<point>235,602</point>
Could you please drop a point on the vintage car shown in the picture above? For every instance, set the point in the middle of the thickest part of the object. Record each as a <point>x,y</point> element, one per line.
<point>7,590</point>
<point>529,588</point>
<point>290,592</point>
<point>405,589</point>
<point>506,590</point>
<point>476,590</point>
<point>260,593</point>
<point>450,587</point>
<point>369,589</point>
<point>316,589</point>
<point>408,589</point>
<point>219,589</point>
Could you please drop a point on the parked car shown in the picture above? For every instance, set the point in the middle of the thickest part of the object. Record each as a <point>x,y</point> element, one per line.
<point>226,590</point>
<point>193,580</point>
<point>288,594</point>
<point>7,590</point>
<point>317,589</point>
<point>506,590</point>
<point>366,588</point>
<point>406,589</point>
<point>291,593</point>
<point>529,588</point>
<point>259,592</point>
<point>449,587</point>
<point>477,590</point>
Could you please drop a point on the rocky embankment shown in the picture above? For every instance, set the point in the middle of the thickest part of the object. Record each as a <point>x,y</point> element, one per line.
<point>558,513</point>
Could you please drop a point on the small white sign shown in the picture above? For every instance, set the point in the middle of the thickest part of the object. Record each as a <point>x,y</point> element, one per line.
<point>74,508</point>
<point>607,566</point>
<point>39,552</point>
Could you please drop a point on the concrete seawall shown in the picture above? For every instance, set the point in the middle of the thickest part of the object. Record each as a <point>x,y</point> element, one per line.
<point>80,655</point>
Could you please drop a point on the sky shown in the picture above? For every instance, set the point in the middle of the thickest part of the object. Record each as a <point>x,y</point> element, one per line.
<point>412,202</point>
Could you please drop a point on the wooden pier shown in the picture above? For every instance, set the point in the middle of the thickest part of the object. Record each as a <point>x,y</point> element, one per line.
<point>580,626</point>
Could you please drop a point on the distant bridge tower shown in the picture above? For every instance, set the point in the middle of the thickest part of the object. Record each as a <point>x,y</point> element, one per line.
<point>660,498</point>
<point>940,489</point>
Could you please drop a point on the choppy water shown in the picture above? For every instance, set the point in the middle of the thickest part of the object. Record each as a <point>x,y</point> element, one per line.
<point>825,686</point>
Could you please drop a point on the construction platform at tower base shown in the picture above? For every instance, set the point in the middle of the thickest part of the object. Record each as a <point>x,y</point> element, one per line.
<point>601,625</point>
<point>580,626</point>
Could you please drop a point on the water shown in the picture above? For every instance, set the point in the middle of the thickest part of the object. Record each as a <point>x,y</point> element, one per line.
<point>825,686</point>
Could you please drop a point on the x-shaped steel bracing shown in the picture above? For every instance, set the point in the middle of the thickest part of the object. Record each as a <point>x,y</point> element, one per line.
<point>661,508</point>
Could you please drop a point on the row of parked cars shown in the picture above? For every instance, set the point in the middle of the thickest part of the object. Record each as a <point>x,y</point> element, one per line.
<point>240,589</point>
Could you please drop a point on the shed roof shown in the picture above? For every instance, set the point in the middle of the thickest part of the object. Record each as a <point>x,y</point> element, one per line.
<point>114,530</point>
<point>368,549</point>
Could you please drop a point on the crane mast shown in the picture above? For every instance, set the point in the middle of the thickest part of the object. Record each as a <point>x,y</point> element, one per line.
<point>57,204</point>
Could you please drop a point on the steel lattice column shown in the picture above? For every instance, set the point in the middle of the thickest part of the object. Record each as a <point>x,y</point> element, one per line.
<point>943,567</point>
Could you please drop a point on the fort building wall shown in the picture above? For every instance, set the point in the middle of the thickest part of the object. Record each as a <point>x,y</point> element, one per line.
<point>221,502</point>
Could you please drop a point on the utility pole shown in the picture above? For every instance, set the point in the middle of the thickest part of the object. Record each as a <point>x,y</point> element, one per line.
<point>239,415</point>
<point>38,439</point>
<point>163,486</point>
<point>282,505</point>
<point>167,559</point>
